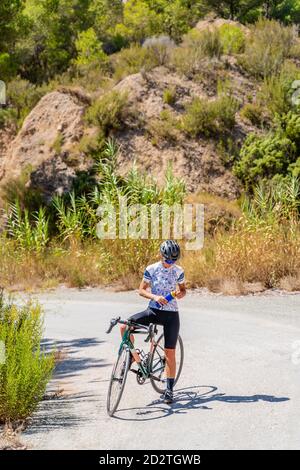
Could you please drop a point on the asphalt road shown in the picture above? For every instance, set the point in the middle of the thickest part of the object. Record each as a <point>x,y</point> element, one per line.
<point>240,386</point>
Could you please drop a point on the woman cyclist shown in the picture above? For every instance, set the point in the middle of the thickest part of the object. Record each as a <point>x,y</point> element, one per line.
<point>159,280</point>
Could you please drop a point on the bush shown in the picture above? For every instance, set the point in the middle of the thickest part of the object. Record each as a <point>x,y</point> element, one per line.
<point>129,61</point>
<point>253,113</point>
<point>267,156</point>
<point>109,111</point>
<point>7,66</point>
<point>27,369</point>
<point>267,48</point>
<point>169,95</point>
<point>294,168</point>
<point>210,117</point>
<point>207,41</point>
<point>22,96</point>
<point>166,127</point>
<point>232,39</point>
<point>7,117</point>
<point>186,60</point>
<point>276,90</point>
<point>189,58</point>
<point>159,49</point>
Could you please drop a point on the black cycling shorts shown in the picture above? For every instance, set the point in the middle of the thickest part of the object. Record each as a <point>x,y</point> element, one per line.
<point>166,318</point>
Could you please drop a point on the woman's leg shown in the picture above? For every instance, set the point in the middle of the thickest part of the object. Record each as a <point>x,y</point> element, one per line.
<point>170,370</point>
<point>143,318</point>
<point>171,331</point>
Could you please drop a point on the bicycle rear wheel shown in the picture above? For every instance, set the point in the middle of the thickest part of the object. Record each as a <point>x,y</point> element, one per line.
<point>117,381</point>
<point>158,361</point>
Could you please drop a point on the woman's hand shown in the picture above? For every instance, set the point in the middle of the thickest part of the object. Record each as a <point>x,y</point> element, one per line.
<point>160,299</point>
<point>181,292</point>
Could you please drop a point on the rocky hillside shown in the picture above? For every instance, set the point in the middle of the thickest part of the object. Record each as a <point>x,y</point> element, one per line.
<point>49,145</point>
<point>45,143</point>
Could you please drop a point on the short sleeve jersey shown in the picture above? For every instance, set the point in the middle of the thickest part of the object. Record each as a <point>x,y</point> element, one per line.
<point>163,281</point>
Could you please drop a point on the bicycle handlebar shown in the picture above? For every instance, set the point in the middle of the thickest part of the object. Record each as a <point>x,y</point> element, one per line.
<point>151,328</point>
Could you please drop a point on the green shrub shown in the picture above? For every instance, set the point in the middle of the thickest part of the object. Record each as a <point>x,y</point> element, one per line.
<point>232,39</point>
<point>186,60</point>
<point>269,45</point>
<point>189,58</point>
<point>253,113</point>
<point>276,90</point>
<point>22,96</point>
<point>129,61</point>
<point>7,66</point>
<point>166,127</point>
<point>207,41</point>
<point>7,117</point>
<point>289,125</point>
<point>18,189</point>
<point>294,168</point>
<point>26,369</point>
<point>169,95</point>
<point>109,111</point>
<point>268,156</point>
<point>210,117</point>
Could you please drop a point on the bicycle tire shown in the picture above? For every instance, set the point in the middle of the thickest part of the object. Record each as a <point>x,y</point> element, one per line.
<point>112,407</point>
<point>159,385</point>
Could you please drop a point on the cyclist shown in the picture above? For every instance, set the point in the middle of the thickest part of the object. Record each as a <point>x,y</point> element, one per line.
<point>162,278</point>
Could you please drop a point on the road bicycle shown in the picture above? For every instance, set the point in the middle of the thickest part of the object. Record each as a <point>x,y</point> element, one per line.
<point>151,365</point>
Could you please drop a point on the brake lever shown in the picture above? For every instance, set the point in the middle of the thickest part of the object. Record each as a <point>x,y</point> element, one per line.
<point>113,323</point>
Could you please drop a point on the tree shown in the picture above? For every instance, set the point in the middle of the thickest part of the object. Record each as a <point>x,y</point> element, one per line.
<point>287,11</point>
<point>234,9</point>
<point>9,16</point>
<point>50,46</point>
<point>89,48</point>
<point>139,21</point>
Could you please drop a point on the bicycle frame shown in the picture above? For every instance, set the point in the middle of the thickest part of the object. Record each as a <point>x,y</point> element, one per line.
<point>128,343</point>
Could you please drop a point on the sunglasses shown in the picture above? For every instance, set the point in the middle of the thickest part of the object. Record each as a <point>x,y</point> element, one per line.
<point>169,261</point>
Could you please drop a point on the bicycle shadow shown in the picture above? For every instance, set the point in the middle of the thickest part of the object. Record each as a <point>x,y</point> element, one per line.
<point>187,399</point>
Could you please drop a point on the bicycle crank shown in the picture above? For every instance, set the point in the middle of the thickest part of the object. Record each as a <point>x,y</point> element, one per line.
<point>140,378</point>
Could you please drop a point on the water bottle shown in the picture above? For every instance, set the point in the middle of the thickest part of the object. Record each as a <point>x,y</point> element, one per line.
<point>168,297</point>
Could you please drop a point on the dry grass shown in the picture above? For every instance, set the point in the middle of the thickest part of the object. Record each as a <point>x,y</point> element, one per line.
<point>120,262</point>
<point>246,260</point>
<point>290,283</point>
<point>237,258</point>
<point>10,441</point>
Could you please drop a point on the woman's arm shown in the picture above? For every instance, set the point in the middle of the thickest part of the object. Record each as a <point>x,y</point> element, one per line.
<point>148,295</point>
<point>181,291</point>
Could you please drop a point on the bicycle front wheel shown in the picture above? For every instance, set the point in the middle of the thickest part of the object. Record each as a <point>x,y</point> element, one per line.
<point>117,381</point>
<point>158,362</point>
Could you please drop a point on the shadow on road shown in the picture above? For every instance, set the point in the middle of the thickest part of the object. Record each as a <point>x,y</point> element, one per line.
<point>56,413</point>
<point>69,364</point>
<point>191,398</point>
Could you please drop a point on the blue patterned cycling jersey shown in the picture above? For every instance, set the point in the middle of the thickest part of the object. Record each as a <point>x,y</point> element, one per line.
<point>163,281</point>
